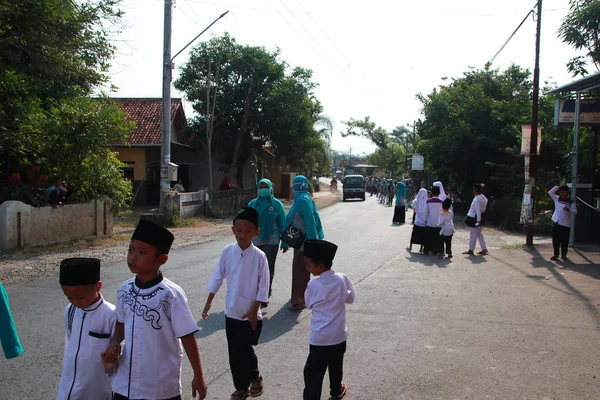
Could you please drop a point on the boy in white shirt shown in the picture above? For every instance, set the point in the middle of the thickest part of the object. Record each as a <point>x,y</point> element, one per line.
<point>246,269</point>
<point>326,296</point>
<point>89,324</point>
<point>563,208</point>
<point>154,321</point>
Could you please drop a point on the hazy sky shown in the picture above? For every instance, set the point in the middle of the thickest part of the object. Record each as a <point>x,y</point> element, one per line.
<point>370,58</point>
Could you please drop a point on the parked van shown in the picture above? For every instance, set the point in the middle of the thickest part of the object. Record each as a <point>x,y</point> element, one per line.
<point>354,187</point>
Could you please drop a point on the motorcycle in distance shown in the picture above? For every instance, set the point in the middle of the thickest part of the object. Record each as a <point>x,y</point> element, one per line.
<point>333,185</point>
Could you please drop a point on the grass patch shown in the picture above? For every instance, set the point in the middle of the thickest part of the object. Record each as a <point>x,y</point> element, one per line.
<point>70,245</point>
<point>513,246</point>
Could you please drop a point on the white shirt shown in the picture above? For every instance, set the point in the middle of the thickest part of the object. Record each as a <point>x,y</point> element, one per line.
<point>478,206</point>
<point>560,215</point>
<point>247,274</point>
<point>327,296</point>
<point>155,315</point>
<point>88,333</point>
<point>433,210</point>
<point>447,223</point>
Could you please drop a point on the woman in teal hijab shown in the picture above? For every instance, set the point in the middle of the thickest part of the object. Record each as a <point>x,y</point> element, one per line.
<point>271,221</point>
<point>303,215</point>
<point>400,209</point>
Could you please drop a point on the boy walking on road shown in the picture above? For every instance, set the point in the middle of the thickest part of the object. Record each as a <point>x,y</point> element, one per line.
<point>327,296</point>
<point>563,209</point>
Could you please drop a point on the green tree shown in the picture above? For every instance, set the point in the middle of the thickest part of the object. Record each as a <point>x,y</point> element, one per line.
<point>257,101</point>
<point>53,55</point>
<point>581,29</point>
<point>405,137</point>
<point>367,129</point>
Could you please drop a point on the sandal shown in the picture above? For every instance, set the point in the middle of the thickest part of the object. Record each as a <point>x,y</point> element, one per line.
<point>240,395</point>
<point>256,387</point>
<point>469,252</point>
<point>296,307</point>
<point>343,389</point>
<point>483,252</point>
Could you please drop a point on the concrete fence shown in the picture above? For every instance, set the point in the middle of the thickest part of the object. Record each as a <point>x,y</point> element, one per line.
<point>22,225</point>
<point>190,204</point>
<point>227,203</point>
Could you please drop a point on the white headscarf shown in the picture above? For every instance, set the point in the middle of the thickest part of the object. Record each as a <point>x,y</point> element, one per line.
<point>442,195</point>
<point>421,200</point>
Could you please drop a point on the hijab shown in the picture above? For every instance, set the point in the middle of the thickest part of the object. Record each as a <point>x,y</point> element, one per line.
<point>267,208</point>
<point>421,200</point>
<point>301,195</point>
<point>442,195</point>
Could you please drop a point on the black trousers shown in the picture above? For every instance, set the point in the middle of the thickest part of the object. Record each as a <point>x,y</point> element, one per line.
<point>56,197</point>
<point>117,396</point>
<point>242,359</point>
<point>321,358</point>
<point>560,239</point>
<point>433,242</point>
<point>447,243</point>
<point>270,251</point>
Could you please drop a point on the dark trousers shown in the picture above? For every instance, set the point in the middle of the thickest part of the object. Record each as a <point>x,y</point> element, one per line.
<point>321,358</point>
<point>56,197</point>
<point>447,243</point>
<point>242,360</point>
<point>270,251</point>
<point>433,242</point>
<point>560,239</point>
<point>117,396</point>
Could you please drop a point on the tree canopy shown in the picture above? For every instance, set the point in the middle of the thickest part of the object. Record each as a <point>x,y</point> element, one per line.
<point>257,100</point>
<point>472,132</point>
<point>53,55</point>
<point>581,29</point>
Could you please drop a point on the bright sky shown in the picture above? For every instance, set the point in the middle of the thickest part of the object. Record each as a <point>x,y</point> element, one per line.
<point>370,58</point>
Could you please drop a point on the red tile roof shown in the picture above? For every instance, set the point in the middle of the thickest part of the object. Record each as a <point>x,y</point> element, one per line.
<point>147,114</point>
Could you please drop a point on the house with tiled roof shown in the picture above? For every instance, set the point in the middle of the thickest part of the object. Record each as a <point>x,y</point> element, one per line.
<point>142,151</point>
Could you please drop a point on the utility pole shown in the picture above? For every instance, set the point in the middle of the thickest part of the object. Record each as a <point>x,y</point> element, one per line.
<point>534,124</point>
<point>166,111</point>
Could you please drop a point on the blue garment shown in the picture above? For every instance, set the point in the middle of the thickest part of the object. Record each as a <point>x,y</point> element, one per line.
<point>271,213</point>
<point>306,208</point>
<point>400,193</point>
<point>8,333</point>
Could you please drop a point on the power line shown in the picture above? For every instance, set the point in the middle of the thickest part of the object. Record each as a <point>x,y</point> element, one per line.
<point>316,41</point>
<point>513,34</point>
<point>311,47</point>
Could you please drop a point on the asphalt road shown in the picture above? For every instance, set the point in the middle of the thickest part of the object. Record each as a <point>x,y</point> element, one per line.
<point>421,328</point>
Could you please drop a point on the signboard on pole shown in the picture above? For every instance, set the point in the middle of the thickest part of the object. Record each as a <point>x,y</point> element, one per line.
<point>589,114</point>
<point>418,162</point>
<point>526,139</point>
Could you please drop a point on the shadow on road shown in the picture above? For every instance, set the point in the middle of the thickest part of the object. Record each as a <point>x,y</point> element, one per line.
<point>215,322</point>
<point>280,323</point>
<point>428,260</point>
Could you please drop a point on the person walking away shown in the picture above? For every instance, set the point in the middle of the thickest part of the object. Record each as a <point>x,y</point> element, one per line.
<point>303,215</point>
<point>271,221</point>
<point>327,296</point>
<point>446,222</point>
<point>400,209</point>
<point>419,232</point>
<point>246,269</point>
<point>89,323</point>
<point>442,195</point>
<point>561,231</point>
<point>433,242</point>
<point>476,219</point>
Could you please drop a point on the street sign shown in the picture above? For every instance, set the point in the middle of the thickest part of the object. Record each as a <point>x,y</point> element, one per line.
<point>418,162</point>
<point>564,112</point>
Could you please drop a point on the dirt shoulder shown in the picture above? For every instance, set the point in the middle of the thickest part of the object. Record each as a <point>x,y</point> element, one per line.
<point>33,263</point>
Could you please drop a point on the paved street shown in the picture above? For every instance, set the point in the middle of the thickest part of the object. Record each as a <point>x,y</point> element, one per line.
<point>506,326</point>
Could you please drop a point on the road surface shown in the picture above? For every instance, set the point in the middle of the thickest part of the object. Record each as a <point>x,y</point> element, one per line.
<point>495,327</point>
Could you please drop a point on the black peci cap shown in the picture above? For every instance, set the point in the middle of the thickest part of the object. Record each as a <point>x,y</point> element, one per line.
<point>155,235</point>
<point>79,271</point>
<point>320,250</point>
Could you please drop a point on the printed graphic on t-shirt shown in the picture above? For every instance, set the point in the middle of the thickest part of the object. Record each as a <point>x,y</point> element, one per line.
<point>131,298</point>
